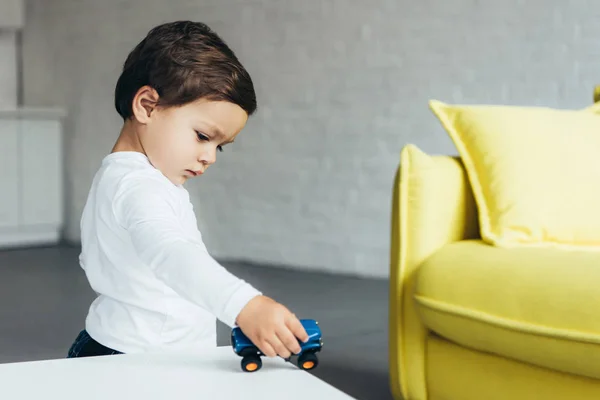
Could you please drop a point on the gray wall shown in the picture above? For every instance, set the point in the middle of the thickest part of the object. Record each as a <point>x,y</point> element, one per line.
<point>342,86</point>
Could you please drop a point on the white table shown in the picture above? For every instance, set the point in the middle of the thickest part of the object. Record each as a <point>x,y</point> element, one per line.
<point>209,374</point>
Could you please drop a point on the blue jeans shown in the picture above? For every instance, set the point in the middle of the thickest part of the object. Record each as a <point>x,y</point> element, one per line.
<point>85,346</point>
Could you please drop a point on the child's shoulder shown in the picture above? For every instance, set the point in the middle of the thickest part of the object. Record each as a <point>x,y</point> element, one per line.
<point>131,174</point>
<point>129,185</point>
<point>131,165</point>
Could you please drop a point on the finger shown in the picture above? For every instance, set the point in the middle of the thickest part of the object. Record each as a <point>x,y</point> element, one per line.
<point>289,340</point>
<point>267,349</point>
<point>297,329</point>
<point>279,347</point>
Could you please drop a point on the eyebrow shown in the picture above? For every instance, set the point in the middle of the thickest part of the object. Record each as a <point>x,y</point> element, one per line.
<point>220,133</point>
<point>217,131</point>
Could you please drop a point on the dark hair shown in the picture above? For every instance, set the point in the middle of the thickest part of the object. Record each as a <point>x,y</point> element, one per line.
<point>184,61</point>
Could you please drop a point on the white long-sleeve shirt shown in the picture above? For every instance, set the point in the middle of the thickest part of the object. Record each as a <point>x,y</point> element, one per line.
<point>143,255</point>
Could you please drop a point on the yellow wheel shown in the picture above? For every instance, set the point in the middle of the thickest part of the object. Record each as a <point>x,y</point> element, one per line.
<point>251,363</point>
<point>308,361</point>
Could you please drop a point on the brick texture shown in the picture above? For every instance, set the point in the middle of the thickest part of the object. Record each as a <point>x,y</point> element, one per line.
<point>342,86</point>
<point>8,69</point>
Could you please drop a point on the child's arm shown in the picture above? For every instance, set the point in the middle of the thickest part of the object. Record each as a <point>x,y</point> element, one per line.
<point>147,211</point>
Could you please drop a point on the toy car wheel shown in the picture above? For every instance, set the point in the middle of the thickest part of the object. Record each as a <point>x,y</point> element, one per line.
<point>251,363</point>
<point>308,361</point>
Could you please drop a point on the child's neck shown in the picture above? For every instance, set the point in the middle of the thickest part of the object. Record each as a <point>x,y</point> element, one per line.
<point>128,139</point>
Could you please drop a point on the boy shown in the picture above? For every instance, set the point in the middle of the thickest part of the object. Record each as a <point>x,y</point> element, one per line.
<point>182,95</point>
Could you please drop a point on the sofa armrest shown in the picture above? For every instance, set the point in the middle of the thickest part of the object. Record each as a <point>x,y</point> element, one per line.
<point>432,206</point>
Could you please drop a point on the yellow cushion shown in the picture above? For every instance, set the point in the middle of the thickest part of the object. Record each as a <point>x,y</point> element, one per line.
<point>535,172</point>
<point>454,372</point>
<point>538,306</point>
<point>597,94</point>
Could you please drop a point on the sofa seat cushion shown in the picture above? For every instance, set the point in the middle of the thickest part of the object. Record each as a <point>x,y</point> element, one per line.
<point>540,306</point>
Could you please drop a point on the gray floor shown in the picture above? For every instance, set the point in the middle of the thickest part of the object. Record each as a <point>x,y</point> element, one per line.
<point>44,297</point>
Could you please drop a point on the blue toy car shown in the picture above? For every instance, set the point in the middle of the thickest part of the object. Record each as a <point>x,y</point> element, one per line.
<point>251,355</point>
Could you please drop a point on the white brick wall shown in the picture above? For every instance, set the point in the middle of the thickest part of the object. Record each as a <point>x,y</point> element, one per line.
<point>11,14</point>
<point>342,86</point>
<point>8,69</point>
<point>11,20</point>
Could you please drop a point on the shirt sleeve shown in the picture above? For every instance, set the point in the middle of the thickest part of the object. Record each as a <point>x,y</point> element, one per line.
<point>150,214</point>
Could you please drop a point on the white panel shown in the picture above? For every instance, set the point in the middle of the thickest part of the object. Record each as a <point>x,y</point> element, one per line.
<point>35,235</point>
<point>41,171</point>
<point>9,177</point>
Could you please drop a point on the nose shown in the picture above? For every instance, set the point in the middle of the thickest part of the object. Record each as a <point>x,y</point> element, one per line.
<point>208,157</point>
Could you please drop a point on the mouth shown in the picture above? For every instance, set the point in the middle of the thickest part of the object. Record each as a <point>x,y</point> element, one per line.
<point>194,173</point>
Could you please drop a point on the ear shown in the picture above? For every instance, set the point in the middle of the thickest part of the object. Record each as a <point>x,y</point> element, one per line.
<point>144,103</point>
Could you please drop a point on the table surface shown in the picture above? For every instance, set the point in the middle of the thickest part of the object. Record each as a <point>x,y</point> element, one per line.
<point>207,374</point>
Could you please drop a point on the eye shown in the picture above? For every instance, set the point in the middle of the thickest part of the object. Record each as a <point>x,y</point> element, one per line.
<point>201,136</point>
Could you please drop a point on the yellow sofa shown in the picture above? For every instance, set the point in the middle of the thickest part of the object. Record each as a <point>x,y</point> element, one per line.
<point>469,320</point>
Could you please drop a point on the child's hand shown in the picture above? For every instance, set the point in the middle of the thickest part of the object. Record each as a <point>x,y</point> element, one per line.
<point>271,327</point>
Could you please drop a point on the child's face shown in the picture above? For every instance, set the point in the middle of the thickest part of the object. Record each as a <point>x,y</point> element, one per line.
<point>182,142</point>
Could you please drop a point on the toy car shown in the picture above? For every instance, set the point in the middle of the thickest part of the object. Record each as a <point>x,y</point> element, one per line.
<point>251,355</point>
